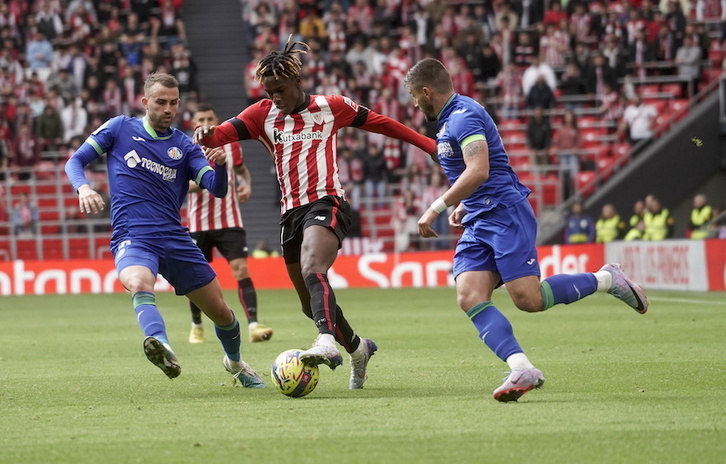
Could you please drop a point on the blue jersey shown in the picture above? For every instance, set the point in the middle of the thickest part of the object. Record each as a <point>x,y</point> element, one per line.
<point>148,174</point>
<point>463,120</point>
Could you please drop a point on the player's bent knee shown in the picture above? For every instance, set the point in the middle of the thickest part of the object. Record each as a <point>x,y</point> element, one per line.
<point>530,304</point>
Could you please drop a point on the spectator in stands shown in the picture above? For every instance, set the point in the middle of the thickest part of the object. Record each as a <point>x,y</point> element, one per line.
<point>490,65</point>
<point>413,180</point>
<point>635,232</point>
<point>49,128</point>
<point>609,226</point>
<point>688,60</point>
<point>532,73</point>
<point>26,151</point>
<point>665,43</point>
<point>598,74</point>
<point>404,221</point>
<point>436,186</point>
<point>638,213</point>
<point>658,222</point>
<point>641,53</point>
<point>472,52</point>
<point>614,57</point>
<point>509,85</point>
<point>169,25</point>
<point>525,50</point>
<point>39,54</point>
<point>566,145</point>
<point>572,83</point>
<point>24,216</point>
<point>350,170</point>
<point>579,227</point>
<point>637,123</point>
<point>539,137</point>
<point>375,172</point>
<point>64,83</point>
<point>700,219</point>
<point>311,26</point>
<point>612,104</point>
<point>540,94</point>
<point>581,57</point>
<point>75,119</point>
<point>252,86</point>
<point>49,22</point>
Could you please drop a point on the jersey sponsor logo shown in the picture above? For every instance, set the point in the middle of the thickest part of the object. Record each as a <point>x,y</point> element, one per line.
<point>444,150</point>
<point>174,153</point>
<point>530,261</point>
<point>138,139</point>
<point>133,159</point>
<point>320,218</point>
<point>351,103</point>
<point>281,137</point>
<point>461,111</point>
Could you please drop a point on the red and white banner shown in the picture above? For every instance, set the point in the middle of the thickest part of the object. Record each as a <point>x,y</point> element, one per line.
<point>667,265</point>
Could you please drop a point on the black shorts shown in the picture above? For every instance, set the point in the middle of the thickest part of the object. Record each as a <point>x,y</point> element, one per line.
<point>330,211</point>
<point>231,242</point>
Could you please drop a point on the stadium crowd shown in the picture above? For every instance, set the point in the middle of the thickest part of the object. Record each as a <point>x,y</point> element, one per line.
<point>66,66</point>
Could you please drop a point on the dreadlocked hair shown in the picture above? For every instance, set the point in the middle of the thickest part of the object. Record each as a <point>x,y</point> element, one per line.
<point>283,63</point>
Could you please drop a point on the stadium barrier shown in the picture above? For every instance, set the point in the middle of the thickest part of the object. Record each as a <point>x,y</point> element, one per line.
<point>698,265</point>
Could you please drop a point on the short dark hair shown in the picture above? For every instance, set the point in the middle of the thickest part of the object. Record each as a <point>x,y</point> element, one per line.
<point>167,80</point>
<point>204,107</point>
<point>429,72</point>
<point>283,63</point>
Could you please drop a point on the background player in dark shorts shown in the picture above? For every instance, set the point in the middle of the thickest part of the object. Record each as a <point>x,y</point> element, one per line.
<point>217,223</point>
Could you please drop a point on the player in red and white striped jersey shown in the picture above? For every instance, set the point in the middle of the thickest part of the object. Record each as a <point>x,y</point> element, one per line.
<point>217,223</point>
<point>300,132</point>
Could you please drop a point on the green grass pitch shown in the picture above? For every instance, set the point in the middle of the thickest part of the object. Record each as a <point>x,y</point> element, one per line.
<point>621,387</point>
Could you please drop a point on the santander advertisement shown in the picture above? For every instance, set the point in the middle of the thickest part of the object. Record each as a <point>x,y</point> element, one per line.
<point>667,265</point>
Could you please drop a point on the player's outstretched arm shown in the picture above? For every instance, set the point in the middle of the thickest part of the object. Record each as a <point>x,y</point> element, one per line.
<point>390,127</point>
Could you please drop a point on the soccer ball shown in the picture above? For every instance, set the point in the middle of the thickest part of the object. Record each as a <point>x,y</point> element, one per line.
<point>292,377</point>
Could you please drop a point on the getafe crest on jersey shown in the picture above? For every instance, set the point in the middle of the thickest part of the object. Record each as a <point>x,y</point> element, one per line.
<point>174,153</point>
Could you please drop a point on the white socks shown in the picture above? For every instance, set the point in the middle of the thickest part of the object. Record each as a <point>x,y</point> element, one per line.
<point>325,339</point>
<point>604,280</point>
<point>519,361</point>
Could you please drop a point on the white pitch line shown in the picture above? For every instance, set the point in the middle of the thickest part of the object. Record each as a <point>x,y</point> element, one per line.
<point>688,301</point>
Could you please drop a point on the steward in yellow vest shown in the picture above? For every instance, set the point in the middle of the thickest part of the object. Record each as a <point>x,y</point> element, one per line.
<point>701,214</point>
<point>608,227</point>
<point>658,222</point>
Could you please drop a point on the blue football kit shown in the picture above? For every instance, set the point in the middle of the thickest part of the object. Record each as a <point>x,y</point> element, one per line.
<point>149,177</point>
<point>499,225</point>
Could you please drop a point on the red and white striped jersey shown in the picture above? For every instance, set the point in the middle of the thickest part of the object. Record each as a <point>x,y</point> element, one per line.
<point>207,212</point>
<point>303,145</point>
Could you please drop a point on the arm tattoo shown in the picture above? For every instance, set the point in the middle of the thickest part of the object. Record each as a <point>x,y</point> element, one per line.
<point>475,148</point>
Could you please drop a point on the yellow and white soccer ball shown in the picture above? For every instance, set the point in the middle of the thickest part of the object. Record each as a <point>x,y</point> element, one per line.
<point>292,377</point>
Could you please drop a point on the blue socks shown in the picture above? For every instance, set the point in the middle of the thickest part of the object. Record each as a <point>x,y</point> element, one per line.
<point>564,288</point>
<point>494,330</point>
<point>229,335</point>
<point>148,316</point>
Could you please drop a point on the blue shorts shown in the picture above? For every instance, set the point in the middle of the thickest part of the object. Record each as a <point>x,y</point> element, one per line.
<point>500,240</point>
<point>176,258</point>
